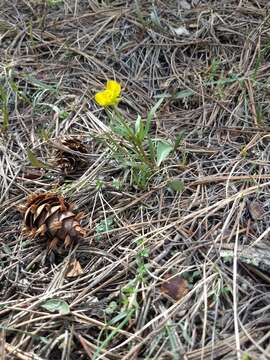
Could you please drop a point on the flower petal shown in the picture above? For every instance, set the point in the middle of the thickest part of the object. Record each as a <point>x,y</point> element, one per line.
<point>114,87</point>
<point>110,96</point>
<point>104,98</point>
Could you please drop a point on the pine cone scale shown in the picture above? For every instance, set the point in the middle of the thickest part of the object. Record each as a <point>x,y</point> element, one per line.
<point>39,211</point>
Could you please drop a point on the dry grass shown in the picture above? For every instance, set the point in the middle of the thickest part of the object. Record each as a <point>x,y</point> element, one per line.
<point>215,81</point>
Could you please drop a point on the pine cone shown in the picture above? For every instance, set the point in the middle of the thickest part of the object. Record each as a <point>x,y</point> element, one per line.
<point>66,160</point>
<point>50,216</point>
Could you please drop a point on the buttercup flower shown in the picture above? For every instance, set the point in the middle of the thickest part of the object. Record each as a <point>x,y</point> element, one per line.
<point>109,96</point>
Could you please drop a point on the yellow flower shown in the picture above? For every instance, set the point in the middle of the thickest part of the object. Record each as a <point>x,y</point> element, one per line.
<point>110,96</point>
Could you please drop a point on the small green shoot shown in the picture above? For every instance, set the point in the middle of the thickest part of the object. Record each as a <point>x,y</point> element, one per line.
<point>103,227</point>
<point>176,185</point>
<point>260,115</point>
<point>44,133</point>
<point>99,184</point>
<point>117,184</point>
<point>4,107</point>
<point>111,308</point>
<point>214,67</point>
<point>119,321</point>
<point>179,139</point>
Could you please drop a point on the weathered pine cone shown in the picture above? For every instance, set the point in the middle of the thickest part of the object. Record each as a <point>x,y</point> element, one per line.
<point>48,215</point>
<point>66,160</point>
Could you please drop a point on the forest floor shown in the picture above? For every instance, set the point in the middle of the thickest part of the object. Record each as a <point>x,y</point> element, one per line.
<point>173,184</point>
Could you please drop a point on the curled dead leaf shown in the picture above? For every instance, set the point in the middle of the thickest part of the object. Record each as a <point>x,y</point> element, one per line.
<point>74,269</point>
<point>176,287</point>
<point>32,173</point>
<point>256,210</point>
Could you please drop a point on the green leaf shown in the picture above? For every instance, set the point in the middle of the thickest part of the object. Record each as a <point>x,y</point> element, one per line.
<point>183,94</point>
<point>245,356</point>
<point>144,253</point>
<point>6,249</point>
<point>56,305</point>
<point>63,115</point>
<point>40,84</point>
<point>117,184</point>
<point>155,18</point>
<point>151,148</point>
<point>138,124</point>
<point>55,108</point>
<point>111,308</point>
<point>103,227</point>
<point>176,185</point>
<point>34,160</point>
<point>163,150</point>
<point>4,107</point>
<point>54,2</point>
<point>179,139</point>
<point>122,129</point>
<point>151,115</point>
<point>118,317</point>
<point>139,129</point>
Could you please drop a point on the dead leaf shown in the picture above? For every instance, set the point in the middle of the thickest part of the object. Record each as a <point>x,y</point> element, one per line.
<point>180,31</point>
<point>256,210</point>
<point>32,173</point>
<point>74,269</point>
<point>176,287</point>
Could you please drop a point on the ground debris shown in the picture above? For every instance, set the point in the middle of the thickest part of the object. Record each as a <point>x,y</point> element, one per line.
<point>199,70</point>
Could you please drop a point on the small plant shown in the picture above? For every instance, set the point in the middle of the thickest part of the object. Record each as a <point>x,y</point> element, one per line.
<point>117,184</point>
<point>118,322</point>
<point>142,263</point>
<point>176,185</point>
<point>103,227</point>
<point>129,293</point>
<point>99,184</point>
<point>53,3</point>
<point>111,308</point>
<point>214,68</point>
<point>132,146</point>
